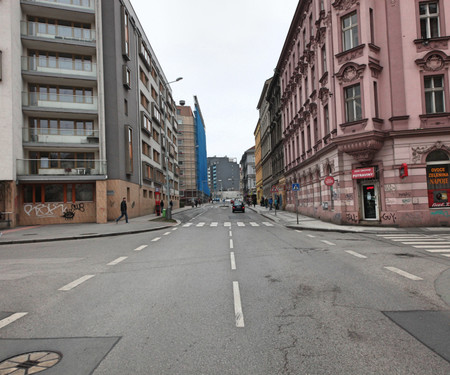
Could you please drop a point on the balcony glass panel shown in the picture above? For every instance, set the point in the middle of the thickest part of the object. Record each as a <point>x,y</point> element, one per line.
<point>54,65</point>
<point>81,135</point>
<point>47,166</point>
<point>52,31</point>
<point>86,4</point>
<point>60,101</point>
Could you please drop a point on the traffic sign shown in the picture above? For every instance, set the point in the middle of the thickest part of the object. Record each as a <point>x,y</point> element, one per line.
<point>295,187</point>
<point>329,180</point>
<point>274,189</point>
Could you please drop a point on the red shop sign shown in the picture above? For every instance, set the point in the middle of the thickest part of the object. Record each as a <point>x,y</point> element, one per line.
<point>329,180</point>
<point>363,173</point>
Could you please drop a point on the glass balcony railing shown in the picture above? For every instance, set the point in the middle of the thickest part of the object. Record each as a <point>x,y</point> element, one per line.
<point>60,167</point>
<point>50,135</point>
<point>80,4</point>
<point>54,31</point>
<point>59,101</point>
<point>59,66</point>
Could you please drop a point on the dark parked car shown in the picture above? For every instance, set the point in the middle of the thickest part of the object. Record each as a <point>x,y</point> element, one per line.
<point>238,206</point>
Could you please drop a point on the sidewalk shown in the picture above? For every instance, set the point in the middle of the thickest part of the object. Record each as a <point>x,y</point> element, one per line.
<point>289,220</point>
<point>60,232</point>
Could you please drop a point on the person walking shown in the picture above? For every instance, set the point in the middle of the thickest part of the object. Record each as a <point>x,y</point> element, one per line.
<point>171,205</point>
<point>123,210</point>
<point>270,203</point>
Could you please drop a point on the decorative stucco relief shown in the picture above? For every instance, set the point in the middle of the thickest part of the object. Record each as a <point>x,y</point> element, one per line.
<point>344,4</point>
<point>350,72</point>
<point>419,151</point>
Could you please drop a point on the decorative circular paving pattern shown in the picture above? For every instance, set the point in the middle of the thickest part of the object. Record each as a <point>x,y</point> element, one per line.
<point>29,363</point>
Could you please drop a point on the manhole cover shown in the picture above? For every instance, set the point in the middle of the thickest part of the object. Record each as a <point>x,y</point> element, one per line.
<point>29,363</point>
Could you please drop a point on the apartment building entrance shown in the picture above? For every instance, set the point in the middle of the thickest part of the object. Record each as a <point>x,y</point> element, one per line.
<point>369,195</point>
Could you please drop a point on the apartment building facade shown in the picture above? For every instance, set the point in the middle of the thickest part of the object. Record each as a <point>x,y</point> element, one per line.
<point>248,175</point>
<point>365,101</point>
<point>76,143</point>
<point>224,176</point>
<point>258,164</point>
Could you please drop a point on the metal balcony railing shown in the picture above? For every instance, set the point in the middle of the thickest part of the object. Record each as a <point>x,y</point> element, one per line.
<point>60,66</point>
<point>54,31</point>
<point>59,101</point>
<point>51,135</point>
<point>80,4</point>
<point>60,167</point>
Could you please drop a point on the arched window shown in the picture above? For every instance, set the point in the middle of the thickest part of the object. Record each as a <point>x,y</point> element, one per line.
<point>438,167</point>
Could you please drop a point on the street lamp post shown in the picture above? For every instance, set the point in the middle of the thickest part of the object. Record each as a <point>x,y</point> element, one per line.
<point>169,209</point>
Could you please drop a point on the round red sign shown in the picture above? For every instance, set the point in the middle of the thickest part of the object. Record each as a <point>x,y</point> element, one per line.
<point>329,181</point>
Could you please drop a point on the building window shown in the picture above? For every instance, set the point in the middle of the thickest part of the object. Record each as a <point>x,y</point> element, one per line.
<point>327,119</point>
<point>372,26</point>
<point>375,97</point>
<point>126,77</point>
<point>146,149</point>
<point>129,150</point>
<point>125,34</point>
<point>61,193</point>
<point>144,78</point>
<point>125,106</point>
<point>429,19</point>
<point>350,31</point>
<point>146,123</point>
<point>324,59</point>
<point>353,110</point>
<point>434,94</point>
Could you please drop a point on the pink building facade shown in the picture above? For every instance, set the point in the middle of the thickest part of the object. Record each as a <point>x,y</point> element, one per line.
<point>366,111</point>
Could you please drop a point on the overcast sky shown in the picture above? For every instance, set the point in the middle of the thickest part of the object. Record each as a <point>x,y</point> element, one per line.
<point>224,50</point>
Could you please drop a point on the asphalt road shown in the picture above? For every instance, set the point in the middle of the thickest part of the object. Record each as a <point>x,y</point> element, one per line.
<point>226,293</point>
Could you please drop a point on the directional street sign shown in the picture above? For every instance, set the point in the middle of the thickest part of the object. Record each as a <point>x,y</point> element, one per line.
<point>295,187</point>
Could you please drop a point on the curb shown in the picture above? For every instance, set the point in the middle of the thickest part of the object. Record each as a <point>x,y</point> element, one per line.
<point>71,238</point>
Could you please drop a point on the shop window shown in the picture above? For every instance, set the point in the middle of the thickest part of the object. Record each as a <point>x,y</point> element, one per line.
<point>84,192</point>
<point>54,193</point>
<point>438,167</point>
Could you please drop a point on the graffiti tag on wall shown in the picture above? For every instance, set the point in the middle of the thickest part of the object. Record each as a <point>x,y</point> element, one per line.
<point>352,218</point>
<point>389,216</point>
<point>44,209</point>
<point>441,212</point>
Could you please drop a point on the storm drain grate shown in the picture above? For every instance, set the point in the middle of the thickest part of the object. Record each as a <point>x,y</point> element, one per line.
<point>29,363</point>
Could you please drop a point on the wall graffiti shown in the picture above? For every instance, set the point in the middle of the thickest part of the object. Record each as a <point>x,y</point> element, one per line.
<point>406,194</point>
<point>349,197</point>
<point>44,209</point>
<point>69,213</point>
<point>441,212</point>
<point>389,216</point>
<point>390,187</point>
<point>352,218</point>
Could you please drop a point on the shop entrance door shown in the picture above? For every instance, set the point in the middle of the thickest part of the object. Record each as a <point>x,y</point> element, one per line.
<point>370,201</point>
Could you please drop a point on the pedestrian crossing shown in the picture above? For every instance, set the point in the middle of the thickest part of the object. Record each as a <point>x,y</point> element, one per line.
<point>228,224</point>
<point>431,244</point>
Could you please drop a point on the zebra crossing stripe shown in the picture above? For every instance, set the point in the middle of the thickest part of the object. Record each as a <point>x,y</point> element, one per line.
<point>227,224</point>
<point>214,224</point>
<point>438,250</point>
<point>240,224</point>
<point>187,225</point>
<point>253,224</point>
<point>267,224</point>
<point>200,224</point>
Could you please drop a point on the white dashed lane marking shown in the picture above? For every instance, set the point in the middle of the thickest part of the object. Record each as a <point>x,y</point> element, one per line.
<point>12,318</point>
<point>75,283</point>
<point>404,273</point>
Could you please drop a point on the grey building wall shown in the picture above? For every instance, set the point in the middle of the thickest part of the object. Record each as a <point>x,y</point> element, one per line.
<point>224,169</point>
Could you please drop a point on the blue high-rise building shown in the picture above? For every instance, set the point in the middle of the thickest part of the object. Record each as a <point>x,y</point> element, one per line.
<point>200,152</point>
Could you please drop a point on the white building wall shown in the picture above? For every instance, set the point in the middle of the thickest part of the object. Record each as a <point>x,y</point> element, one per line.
<point>10,90</point>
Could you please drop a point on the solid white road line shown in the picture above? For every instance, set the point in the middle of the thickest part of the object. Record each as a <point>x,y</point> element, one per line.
<point>239,316</point>
<point>404,273</point>
<point>253,224</point>
<point>328,242</point>
<point>117,261</point>
<point>431,246</point>
<point>240,224</point>
<point>354,253</point>
<point>310,235</point>
<point>11,318</point>
<point>231,244</point>
<point>233,261</point>
<point>75,283</point>
<point>426,242</point>
<point>156,239</point>
<point>140,248</point>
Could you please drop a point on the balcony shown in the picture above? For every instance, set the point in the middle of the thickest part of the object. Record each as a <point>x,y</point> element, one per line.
<point>52,101</point>
<point>76,4</point>
<point>60,169</point>
<point>51,37</point>
<point>44,66</point>
<point>61,136</point>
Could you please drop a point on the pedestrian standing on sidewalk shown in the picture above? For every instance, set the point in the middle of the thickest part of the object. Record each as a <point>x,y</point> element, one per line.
<point>123,210</point>
<point>270,203</point>
<point>171,205</point>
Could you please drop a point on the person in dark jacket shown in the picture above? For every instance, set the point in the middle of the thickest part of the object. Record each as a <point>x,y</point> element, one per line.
<point>123,210</point>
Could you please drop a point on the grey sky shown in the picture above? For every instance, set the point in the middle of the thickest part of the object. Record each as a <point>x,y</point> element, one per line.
<point>224,50</point>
